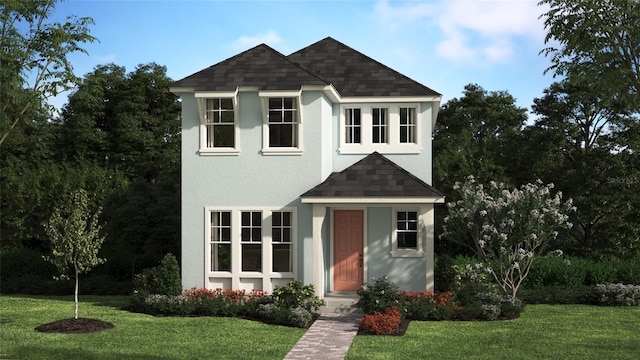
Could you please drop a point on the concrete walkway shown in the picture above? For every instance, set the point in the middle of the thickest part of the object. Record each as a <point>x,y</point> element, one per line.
<point>329,337</point>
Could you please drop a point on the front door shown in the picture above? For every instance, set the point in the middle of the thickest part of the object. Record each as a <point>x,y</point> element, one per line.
<point>348,240</point>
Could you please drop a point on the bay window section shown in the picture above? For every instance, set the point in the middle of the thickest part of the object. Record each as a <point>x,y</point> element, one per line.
<point>408,125</point>
<point>220,241</point>
<point>251,240</point>
<point>353,123</point>
<point>281,241</point>
<point>380,117</point>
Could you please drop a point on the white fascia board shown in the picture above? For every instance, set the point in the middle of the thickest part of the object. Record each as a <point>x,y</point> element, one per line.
<point>390,99</point>
<point>372,200</point>
<point>329,91</point>
<point>279,93</point>
<point>216,94</point>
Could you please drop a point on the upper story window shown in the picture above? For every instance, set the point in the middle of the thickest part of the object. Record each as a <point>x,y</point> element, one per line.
<point>353,123</point>
<point>219,131</point>
<point>392,128</point>
<point>380,126</point>
<point>407,125</point>
<point>282,129</point>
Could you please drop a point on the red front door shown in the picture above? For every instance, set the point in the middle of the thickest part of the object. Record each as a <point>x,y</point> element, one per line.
<point>347,249</point>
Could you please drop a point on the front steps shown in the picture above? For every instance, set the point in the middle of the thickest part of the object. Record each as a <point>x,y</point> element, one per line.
<point>340,302</point>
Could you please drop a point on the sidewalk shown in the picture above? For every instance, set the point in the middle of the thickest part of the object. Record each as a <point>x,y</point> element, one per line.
<point>329,337</point>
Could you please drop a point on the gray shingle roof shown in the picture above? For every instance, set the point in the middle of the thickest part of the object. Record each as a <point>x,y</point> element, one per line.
<point>355,74</point>
<point>373,176</point>
<point>260,66</point>
<point>326,61</point>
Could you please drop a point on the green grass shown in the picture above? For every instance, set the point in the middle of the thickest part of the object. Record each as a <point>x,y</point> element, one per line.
<point>135,336</point>
<point>541,332</point>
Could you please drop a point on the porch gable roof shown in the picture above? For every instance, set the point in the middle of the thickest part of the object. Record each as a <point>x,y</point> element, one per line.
<point>373,179</point>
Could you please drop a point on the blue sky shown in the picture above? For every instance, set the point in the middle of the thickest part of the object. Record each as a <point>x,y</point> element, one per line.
<point>443,44</point>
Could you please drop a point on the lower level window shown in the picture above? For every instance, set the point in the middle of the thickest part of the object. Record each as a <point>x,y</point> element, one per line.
<point>407,229</point>
<point>251,240</point>
<point>281,241</point>
<point>220,241</point>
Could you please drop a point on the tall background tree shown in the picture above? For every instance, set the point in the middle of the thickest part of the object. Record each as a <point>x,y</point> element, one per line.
<point>34,62</point>
<point>596,42</point>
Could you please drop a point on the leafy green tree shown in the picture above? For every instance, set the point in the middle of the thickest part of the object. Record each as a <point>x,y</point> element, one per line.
<point>596,41</point>
<point>75,238</point>
<point>472,136</point>
<point>124,121</point>
<point>33,58</point>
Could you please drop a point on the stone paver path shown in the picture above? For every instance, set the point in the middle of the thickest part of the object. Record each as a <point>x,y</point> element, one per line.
<point>329,337</point>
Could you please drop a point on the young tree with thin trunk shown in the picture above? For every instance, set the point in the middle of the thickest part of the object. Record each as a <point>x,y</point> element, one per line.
<point>75,239</point>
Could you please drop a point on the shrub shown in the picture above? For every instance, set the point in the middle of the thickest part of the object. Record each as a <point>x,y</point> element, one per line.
<point>445,273</point>
<point>379,296</point>
<point>558,294</point>
<point>470,280</point>
<point>423,305</point>
<point>295,317</point>
<point>618,294</point>
<point>163,279</point>
<point>297,295</point>
<point>380,323</point>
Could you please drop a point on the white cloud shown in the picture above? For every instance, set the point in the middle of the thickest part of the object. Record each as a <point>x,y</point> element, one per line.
<point>245,42</point>
<point>478,31</point>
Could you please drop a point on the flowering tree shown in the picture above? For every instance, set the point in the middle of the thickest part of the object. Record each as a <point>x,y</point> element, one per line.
<point>506,229</point>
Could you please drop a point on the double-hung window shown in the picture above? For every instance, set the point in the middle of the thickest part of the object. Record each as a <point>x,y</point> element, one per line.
<point>219,131</point>
<point>220,240</point>
<point>353,125</point>
<point>407,125</point>
<point>251,240</point>
<point>380,126</point>
<point>282,127</point>
<point>406,233</point>
<point>281,240</point>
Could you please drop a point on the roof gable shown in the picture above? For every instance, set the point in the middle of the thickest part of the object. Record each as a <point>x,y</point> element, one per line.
<point>261,67</point>
<point>374,176</point>
<point>355,74</point>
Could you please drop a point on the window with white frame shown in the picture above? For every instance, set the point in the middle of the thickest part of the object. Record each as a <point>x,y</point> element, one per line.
<point>380,126</point>
<point>283,122</point>
<point>407,125</point>
<point>388,128</point>
<point>281,240</point>
<point>220,240</point>
<point>251,240</point>
<point>406,233</point>
<point>219,132</point>
<point>353,123</point>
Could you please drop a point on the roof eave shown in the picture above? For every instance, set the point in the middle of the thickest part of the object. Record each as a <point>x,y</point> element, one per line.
<point>371,200</point>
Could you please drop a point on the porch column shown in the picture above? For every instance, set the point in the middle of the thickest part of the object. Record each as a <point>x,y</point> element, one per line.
<point>429,251</point>
<point>319,212</point>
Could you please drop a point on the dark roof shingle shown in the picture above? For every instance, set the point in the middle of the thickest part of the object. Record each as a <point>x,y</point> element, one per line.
<point>373,176</point>
<point>260,66</point>
<point>355,74</point>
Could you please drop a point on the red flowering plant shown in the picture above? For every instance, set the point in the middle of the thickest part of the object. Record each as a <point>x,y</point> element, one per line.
<point>380,323</point>
<point>219,301</point>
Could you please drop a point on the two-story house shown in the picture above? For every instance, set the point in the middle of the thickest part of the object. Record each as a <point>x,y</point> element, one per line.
<point>314,166</point>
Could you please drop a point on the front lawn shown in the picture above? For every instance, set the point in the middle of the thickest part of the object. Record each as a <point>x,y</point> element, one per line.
<point>541,332</point>
<point>135,336</point>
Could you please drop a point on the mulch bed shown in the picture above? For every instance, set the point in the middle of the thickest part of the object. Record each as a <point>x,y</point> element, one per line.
<point>75,326</point>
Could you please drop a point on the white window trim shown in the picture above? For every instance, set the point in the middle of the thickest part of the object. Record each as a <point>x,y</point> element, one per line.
<point>236,273</point>
<point>393,146</point>
<point>266,149</point>
<point>201,98</point>
<point>418,252</point>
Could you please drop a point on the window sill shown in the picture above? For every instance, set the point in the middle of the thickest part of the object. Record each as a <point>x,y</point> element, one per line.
<point>281,151</point>
<point>219,152</point>
<point>406,253</point>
